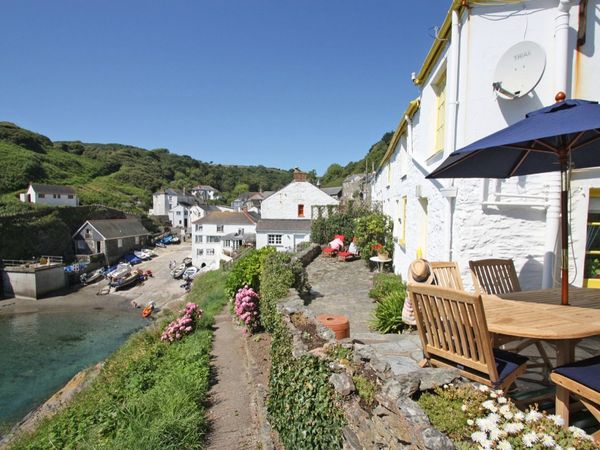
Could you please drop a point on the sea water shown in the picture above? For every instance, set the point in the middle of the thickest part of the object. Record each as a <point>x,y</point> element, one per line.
<point>40,352</point>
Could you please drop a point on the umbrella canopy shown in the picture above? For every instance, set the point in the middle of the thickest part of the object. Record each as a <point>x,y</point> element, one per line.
<point>555,138</point>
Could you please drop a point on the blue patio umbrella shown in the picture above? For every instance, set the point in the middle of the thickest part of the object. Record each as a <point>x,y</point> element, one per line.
<point>555,138</point>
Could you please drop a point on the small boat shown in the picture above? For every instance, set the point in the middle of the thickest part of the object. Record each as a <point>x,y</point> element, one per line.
<point>178,271</point>
<point>131,259</point>
<point>187,261</point>
<point>148,309</point>
<point>149,252</point>
<point>190,273</point>
<point>141,254</point>
<point>89,278</point>
<point>118,271</point>
<point>127,280</point>
<point>175,240</point>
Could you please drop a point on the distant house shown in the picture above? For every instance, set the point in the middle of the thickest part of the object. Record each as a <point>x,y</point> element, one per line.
<point>114,237</point>
<point>205,192</point>
<point>50,194</point>
<point>357,187</point>
<point>286,214</point>
<point>167,199</point>
<point>250,201</point>
<point>218,234</point>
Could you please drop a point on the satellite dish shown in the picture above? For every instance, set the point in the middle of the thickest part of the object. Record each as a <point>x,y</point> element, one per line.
<point>519,70</point>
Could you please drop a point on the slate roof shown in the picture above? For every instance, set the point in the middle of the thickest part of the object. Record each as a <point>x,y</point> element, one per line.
<point>283,225</point>
<point>204,187</point>
<point>117,228</point>
<point>53,189</point>
<point>229,218</point>
<point>332,190</point>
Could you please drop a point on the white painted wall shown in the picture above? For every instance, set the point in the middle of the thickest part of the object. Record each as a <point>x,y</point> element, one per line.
<point>289,241</point>
<point>480,231</point>
<point>283,204</point>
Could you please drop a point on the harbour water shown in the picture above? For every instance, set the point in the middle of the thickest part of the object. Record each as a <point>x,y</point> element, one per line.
<point>40,352</point>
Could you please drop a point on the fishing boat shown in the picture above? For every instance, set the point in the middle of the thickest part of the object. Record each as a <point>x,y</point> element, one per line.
<point>92,277</point>
<point>118,271</point>
<point>187,261</point>
<point>141,254</point>
<point>178,271</point>
<point>190,273</point>
<point>128,280</point>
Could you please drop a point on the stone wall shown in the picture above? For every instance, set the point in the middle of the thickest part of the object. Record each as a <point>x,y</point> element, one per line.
<point>396,421</point>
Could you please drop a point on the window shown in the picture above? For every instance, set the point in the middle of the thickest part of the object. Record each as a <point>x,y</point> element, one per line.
<point>592,248</point>
<point>81,245</point>
<point>55,195</point>
<point>119,243</point>
<point>213,238</point>
<point>88,233</point>
<point>403,157</point>
<point>220,228</point>
<point>198,239</point>
<point>440,119</point>
<point>137,240</point>
<point>198,227</point>
<point>402,220</point>
<point>70,196</point>
<point>199,252</point>
<point>210,251</point>
<point>300,210</point>
<point>42,195</point>
<point>274,239</point>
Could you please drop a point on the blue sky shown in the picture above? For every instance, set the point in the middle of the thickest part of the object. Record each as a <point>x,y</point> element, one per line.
<point>281,83</point>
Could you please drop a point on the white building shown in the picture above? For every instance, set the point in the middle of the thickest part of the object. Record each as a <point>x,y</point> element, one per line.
<point>218,234</point>
<point>50,194</point>
<point>164,201</point>
<point>286,214</point>
<point>519,218</point>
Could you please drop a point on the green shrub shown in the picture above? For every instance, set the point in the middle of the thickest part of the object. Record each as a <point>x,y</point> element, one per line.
<point>323,229</point>
<point>371,230</point>
<point>365,389</point>
<point>246,271</point>
<point>385,283</point>
<point>387,317</point>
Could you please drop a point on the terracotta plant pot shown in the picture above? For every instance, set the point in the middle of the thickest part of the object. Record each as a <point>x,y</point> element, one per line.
<point>338,324</point>
<point>383,255</point>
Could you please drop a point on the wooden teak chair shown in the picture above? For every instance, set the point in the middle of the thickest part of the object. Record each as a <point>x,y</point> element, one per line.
<point>454,333</point>
<point>497,277</point>
<point>447,274</point>
<point>582,379</point>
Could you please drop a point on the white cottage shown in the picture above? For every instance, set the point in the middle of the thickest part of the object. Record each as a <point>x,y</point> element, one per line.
<point>286,214</point>
<point>219,233</point>
<point>50,194</point>
<point>464,95</point>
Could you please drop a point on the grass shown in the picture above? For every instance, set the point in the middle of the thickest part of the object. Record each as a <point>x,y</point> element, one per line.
<point>149,395</point>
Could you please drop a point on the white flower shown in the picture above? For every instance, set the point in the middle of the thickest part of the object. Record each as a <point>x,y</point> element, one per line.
<point>470,422</point>
<point>533,416</point>
<point>578,432</point>
<point>513,427</point>
<point>504,445</point>
<point>502,400</point>
<point>479,437</point>
<point>529,439</point>
<point>485,424</point>
<point>506,412</point>
<point>496,434</point>
<point>463,407</point>
<point>547,440</point>
<point>493,394</point>
<point>558,420</point>
<point>519,415</point>
<point>445,386</point>
<point>489,404</point>
<point>483,388</point>
<point>571,448</point>
<point>499,392</point>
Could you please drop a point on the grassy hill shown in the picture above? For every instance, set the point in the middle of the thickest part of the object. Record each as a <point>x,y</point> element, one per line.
<point>116,175</point>
<point>336,173</point>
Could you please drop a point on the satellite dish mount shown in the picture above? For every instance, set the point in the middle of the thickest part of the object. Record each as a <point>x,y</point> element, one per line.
<point>519,70</point>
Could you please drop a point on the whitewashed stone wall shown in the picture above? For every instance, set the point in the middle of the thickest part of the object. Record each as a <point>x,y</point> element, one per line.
<point>480,231</point>
<point>283,204</point>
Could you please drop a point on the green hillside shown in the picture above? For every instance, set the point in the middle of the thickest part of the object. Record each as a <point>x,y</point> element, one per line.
<point>115,175</point>
<point>336,173</point>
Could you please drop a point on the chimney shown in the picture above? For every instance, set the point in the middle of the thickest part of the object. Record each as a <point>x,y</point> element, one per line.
<point>299,175</point>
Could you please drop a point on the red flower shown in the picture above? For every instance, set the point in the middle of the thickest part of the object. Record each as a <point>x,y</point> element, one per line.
<point>376,247</point>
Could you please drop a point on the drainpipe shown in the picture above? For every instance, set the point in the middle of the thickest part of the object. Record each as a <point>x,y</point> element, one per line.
<point>561,73</point>
<point>452,73</point>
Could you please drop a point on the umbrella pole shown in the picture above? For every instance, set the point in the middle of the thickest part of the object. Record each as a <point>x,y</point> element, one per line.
<point>564,231</point>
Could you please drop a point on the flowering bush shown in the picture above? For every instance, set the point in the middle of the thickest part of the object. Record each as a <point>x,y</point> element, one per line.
<point>246,308</point>
<point>377,247</point>
<point>182,325</point>
<point>486,419</point>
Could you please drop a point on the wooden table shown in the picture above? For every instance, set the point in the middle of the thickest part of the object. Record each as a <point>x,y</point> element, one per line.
<point>539,315</point>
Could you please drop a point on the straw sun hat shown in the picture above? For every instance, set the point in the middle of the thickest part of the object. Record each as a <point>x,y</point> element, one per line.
<point>420,271</point>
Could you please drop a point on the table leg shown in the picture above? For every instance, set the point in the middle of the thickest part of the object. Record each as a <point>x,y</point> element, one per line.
<point>565,351</point>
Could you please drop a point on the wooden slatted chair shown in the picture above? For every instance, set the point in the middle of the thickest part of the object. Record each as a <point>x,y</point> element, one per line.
<point>454,333</point>
<point>499,276</point>
<point>447,274</point>
<point>582,379</point>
